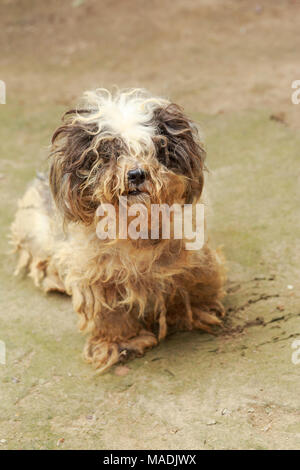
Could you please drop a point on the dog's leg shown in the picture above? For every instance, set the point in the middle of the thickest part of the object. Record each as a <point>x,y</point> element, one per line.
<point>115,334</point>
<point>52,281</point>
<point>104,353</point>
<point>207,316</point>
<point>34,235</point>
<point>207,309</point>
<point>199,304</point>
<point>184,316</point>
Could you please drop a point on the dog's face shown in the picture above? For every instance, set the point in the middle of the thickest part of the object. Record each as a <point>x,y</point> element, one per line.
<point>130,145</point>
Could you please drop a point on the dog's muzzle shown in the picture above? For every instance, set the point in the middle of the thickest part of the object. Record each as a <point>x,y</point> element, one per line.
<point>136,178</point>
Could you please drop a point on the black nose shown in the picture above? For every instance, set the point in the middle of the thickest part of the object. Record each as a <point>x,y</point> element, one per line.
<point>136,176</point>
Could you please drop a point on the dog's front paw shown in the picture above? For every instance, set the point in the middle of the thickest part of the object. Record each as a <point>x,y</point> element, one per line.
<point>138,345</point>
<point>104,354</point>
<point>204,318</point>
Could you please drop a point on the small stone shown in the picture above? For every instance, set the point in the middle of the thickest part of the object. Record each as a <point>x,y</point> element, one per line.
<point>90,417</point>
<point>278,117</point>
<point>60,441</point>
<point>266,428</point>
<point>211,422</point>
<point>260,277</point>
<point>225,412</point>
<point>174,431</point>
<point>290,287</point>
<point>3,441</point>
<point>15,380</point>
<point>251,410</point>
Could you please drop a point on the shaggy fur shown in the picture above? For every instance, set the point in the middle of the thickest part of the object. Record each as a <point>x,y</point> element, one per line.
<point>128,293</point>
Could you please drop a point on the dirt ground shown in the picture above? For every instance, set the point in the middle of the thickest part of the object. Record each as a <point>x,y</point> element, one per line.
<point>230,64</point>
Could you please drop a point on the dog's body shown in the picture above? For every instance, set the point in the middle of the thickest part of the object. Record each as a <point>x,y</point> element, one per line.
<point>128,292</point>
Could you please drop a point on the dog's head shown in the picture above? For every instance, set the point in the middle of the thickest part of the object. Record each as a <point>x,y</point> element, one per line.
<point>125,144</point>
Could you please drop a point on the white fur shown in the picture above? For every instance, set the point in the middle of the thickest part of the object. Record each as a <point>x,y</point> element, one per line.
<point>127,114</point>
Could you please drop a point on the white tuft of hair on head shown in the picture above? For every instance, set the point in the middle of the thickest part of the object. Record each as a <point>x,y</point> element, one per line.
<point>127,114</point>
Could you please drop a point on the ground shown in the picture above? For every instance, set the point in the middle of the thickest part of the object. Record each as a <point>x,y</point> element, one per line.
<point>231,65</point>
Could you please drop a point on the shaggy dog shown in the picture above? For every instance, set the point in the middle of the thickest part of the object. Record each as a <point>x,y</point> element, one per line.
<point>128,293</point>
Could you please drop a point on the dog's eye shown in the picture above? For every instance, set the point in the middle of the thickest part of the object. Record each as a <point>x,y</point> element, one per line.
<point>105,155</point>
<point>172,153</point>
<point>110,150</point>
<point>167,156</point>
<point>104,151</point>
<point>162,153</point>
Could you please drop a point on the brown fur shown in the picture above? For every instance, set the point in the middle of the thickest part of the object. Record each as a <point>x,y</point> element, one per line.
<point>128,293</point>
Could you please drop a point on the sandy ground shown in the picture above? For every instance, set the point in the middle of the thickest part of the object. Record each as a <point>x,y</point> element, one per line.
<point>231,65</point>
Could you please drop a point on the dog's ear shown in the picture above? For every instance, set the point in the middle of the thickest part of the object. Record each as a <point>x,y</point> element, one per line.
<point>179,147</point>
<point>72,158</point>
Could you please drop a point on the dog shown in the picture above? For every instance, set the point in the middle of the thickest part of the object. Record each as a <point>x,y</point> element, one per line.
<point>129,293</point>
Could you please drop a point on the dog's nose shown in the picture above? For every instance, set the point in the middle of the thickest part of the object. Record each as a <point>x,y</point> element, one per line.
<point>136,176</point>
